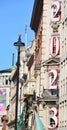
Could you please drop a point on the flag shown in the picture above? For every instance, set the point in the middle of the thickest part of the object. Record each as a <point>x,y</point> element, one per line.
<point>39,124</point>
<point>22,116</point>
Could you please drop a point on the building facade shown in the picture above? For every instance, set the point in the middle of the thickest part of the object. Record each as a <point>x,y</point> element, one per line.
<point>30,85</point>
<point>43,76</point>
<point>46,23</point>
<point>63,70</point>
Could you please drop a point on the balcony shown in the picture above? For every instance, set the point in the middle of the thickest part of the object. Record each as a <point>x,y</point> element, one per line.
<point>30,88</point>
<point>50,95</point>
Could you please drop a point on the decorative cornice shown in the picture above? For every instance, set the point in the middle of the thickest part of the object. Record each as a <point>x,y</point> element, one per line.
<point>51,61</point>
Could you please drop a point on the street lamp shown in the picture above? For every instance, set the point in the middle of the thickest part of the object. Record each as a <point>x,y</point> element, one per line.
<point>17,44</point>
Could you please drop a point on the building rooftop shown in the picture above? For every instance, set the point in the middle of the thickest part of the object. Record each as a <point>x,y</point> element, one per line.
<point>36,14</point>
<point>5,70</point>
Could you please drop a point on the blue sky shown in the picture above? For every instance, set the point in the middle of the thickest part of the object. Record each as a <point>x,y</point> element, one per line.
<point>14,16</point>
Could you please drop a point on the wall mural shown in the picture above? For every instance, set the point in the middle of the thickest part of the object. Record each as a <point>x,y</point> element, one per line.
<point>3,94</point>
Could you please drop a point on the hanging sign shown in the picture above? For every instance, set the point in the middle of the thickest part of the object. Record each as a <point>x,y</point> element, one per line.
<point>54,51</point>
<point>54,118</point>
<point>54,46</point>
<point>56,5</point>
<point>53,84</point>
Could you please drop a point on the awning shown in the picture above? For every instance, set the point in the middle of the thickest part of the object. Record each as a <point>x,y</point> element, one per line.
<point>39,124</point>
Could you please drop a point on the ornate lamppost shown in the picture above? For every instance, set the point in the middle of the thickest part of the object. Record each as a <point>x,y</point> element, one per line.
<point>17,44</point>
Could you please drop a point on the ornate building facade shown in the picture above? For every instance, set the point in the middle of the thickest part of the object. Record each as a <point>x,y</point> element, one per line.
<point>43,76</point>
<point>63,70</point>
<point>46,23</point>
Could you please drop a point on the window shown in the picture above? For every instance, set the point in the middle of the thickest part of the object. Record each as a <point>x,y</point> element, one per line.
<point>3,80</point>
<point>6,80</point>
<point>52,122</point>
<point>54,46</point>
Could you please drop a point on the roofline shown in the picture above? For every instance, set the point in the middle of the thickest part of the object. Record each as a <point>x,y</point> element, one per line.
<point>36,14</point>
<point>5,70</point>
